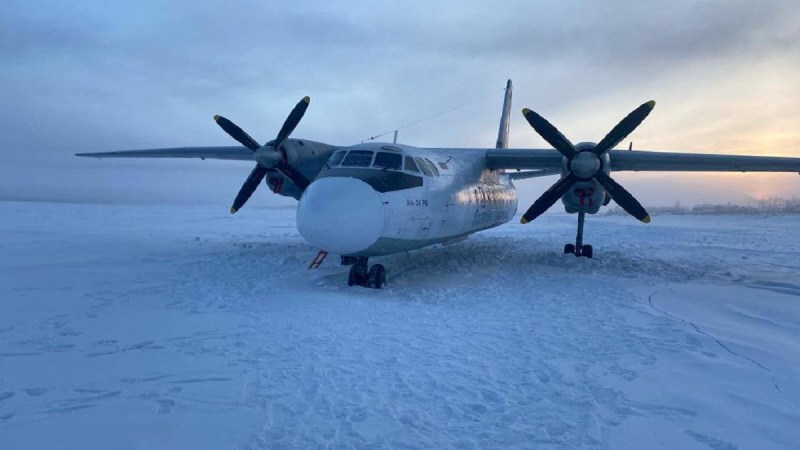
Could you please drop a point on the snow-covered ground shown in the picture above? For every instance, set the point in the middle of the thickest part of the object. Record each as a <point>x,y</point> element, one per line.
<point>141,327</point>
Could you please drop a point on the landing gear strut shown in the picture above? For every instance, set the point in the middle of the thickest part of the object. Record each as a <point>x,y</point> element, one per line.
<point>348,260</point>
<point>579,249</point>
<point>374,278</point>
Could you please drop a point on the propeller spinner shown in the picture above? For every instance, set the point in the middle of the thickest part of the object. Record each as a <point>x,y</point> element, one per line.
<point>587,164</point>
<point>269,157</point>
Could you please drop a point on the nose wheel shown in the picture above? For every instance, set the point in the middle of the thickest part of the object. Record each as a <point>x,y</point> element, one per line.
<point>362,275</point>
<point>579,249</point>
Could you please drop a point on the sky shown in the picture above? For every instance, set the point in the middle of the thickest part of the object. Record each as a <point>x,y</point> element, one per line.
<point>98,76</point>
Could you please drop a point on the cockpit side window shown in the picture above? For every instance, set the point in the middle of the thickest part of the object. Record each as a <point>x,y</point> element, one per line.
<point>336,158</point>
<point>358,158</point>
<point>410,166</point>
<point>432,166</point>
<point>423,167</point>
<point>385,160</point>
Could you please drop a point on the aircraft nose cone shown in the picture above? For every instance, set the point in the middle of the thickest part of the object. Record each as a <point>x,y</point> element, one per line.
<point>340,215</point>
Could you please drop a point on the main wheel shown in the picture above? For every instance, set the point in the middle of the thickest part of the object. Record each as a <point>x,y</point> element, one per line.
<point>353,277</point>
<point>358,275</point>
<point>569,248</point>
<point>376,278</point>
<point>586,251</point>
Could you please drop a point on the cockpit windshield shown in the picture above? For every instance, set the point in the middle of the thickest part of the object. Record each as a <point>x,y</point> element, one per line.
<point>423,167</point>
<point>410,165</point>
<point>336,158</point>
<point>386,160</point>
<point>388,157</point>
<point>358,158</point>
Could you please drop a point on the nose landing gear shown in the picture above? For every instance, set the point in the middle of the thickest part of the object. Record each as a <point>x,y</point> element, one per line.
<point>579,249</point>
<point>374,277</point>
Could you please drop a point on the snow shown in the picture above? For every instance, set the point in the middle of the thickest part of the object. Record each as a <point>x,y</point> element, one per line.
<point>141,327</point>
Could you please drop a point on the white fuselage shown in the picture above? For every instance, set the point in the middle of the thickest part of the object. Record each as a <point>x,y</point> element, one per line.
<point>364,204</point>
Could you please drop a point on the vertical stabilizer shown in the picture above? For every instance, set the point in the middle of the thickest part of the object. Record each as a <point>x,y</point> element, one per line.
<point>502,135</point>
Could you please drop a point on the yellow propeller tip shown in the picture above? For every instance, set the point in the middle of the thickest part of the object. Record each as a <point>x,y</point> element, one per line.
<point>651,104</point>
<point>646,219</point>
<point>525,111</point>
<point>307,99</point>
<point>216,117</point>
<point>523,220</point>
<point>233,210</point>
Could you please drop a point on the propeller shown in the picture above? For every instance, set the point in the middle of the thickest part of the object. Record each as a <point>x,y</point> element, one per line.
<point>587,164</point>
<point>269,157</point>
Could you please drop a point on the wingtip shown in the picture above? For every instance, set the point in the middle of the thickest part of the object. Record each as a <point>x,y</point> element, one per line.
<point>646,219</point>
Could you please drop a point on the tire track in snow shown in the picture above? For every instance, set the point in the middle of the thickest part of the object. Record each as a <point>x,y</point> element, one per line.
<point>719,342</point>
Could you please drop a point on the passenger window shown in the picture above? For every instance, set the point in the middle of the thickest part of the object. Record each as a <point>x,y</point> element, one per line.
<point>423,167</point>
<point>358,158</point>
<point>410,164</point>
<point>336,158</point>
<point>384,160</point>
<point>432,166</point>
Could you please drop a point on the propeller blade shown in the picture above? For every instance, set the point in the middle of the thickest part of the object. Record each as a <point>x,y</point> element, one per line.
<point>549,197</point>
<point>249,186</point>
<point>624,128</point>
<point>237,133</point>
<point>297,178</point>
<point>550,133</point>
<point>622,197</point>
<point>291,122</point>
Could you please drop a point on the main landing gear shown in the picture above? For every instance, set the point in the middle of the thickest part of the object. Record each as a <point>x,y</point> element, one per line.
<point>578,249</point>
<point>374,278</point>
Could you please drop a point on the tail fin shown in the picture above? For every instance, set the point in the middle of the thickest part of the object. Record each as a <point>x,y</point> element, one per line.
<point>502,135</point>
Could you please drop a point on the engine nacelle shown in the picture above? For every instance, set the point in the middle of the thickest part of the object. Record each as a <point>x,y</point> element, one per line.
<point>307,157</point>
<point>586,195</point>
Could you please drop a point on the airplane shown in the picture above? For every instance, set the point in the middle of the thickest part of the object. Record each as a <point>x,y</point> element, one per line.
<point>378,198</point>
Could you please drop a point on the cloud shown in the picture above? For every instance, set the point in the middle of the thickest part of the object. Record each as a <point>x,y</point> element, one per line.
<point>83,76</point>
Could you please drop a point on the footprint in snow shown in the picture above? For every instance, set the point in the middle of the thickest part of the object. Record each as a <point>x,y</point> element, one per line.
<point>34,392</point>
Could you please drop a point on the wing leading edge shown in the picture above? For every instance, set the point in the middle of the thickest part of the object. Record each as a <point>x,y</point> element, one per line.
<point>699,162</point>
<point>235,153</point>
<point>645,161</point>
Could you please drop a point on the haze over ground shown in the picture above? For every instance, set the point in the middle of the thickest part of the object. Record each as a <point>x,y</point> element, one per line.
<point>92,77</point>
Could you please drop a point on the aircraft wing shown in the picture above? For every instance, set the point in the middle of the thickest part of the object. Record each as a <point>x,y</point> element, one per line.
<point>546,160</point>
<point>533,174</point>
<point>227,152</point>
<point>513,158</point>
<point>699,162</point>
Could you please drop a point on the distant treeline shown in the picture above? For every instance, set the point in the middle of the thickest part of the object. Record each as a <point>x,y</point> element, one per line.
<point>772,205</point>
